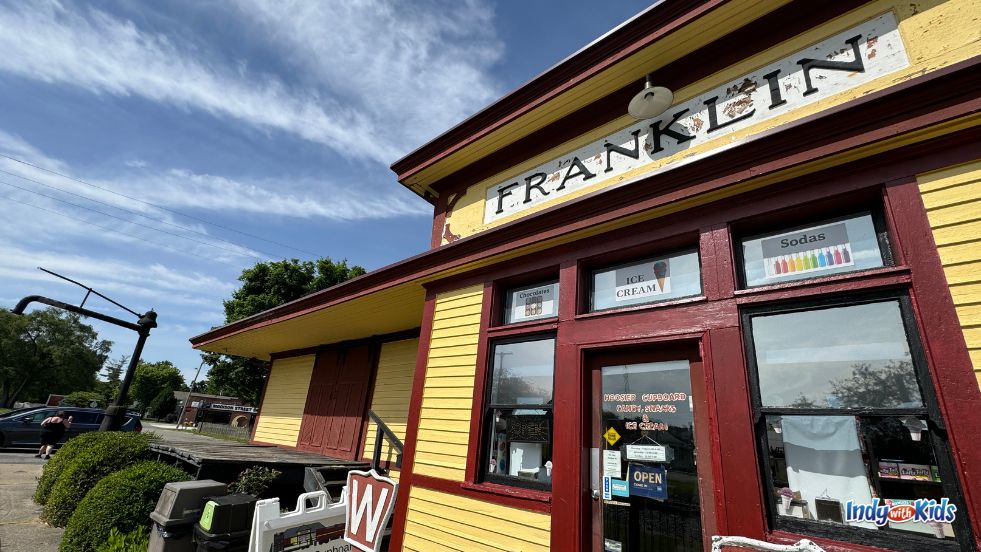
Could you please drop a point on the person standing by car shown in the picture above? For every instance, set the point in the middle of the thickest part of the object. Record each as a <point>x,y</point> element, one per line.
<point>52,430</point>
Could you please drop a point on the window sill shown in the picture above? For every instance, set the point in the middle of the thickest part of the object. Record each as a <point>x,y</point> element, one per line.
<point>544,324</point>
<point>533,495</point>
<point>857,280</point>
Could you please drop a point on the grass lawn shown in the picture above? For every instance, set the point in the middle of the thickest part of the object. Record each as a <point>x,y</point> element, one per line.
<point>4,410</point>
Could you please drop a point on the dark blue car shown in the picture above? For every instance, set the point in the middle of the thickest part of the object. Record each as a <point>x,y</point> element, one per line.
<point>23,428</point>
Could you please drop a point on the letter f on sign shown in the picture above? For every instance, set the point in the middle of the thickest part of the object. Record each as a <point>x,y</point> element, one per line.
<point>358,510</point>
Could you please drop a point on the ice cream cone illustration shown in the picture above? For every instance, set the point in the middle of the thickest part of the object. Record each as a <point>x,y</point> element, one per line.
<point>661,273</point>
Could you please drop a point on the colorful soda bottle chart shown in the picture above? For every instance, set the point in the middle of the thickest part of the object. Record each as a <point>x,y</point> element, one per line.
<point>823,258</point>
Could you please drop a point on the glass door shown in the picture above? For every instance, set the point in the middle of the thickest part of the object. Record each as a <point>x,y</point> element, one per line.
<point>644,459</point>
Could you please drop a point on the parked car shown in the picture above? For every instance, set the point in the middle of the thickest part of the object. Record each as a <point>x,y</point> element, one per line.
<point>23,429</point>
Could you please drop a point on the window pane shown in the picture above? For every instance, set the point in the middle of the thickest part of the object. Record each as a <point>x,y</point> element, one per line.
<point>521,444</point>
<point>531,303</point>
<point>809,252</point>
<point>523,372</point>
<point>820,463</point>
<point>647,281</point>
<point>844,357</point>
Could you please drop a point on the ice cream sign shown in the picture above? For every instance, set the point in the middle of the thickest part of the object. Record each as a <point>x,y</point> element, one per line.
<point>836,64</point>
<point>642,280</point>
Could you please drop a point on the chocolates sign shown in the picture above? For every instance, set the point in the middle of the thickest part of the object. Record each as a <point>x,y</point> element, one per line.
<point>839,63</point>
<point>532,303</point>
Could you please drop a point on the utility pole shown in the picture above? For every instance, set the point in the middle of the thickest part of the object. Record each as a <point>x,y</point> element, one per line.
<point>147,321</point>
<point>180,418</point>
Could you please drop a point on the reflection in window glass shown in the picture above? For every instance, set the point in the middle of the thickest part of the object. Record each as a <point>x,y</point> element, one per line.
<point>813,251</point>
<point>523,372</point>
<point>844,357</point>
<point>518,416</point>
<point>819,463</point>
<point>531,303</point>
<point>648,281</point>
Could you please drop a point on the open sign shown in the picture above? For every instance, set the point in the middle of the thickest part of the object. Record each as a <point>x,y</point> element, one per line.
<point>648,481</point>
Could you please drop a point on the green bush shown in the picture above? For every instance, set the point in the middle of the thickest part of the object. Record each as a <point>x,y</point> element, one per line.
<point>122,500</point>
<point>254,480</point>
<point>137,540</point>
<point>109,452</point>
<point>64,456</point>
<point>83,399</point>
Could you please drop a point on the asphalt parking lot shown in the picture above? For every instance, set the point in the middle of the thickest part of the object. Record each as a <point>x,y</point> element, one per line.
<point>21,529</point>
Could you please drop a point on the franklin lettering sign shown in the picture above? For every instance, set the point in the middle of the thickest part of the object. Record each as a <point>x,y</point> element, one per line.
<point>836,64</point>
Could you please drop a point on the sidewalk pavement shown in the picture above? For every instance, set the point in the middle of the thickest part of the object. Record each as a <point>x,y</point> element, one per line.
<point>21,529</point>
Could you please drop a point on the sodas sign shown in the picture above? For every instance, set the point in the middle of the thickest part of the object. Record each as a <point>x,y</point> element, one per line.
<point>370,500</point>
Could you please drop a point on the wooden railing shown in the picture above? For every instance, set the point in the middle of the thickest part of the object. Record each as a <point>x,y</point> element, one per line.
<point>384,432</point>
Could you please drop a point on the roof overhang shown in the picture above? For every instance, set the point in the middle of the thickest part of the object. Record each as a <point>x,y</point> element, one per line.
<point>658,36</point>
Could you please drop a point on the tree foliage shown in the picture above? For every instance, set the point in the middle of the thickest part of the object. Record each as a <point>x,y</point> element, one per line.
<point>47,351</point>
<point>84,399</point>
<point>265,286</point>
<point>152,379</point>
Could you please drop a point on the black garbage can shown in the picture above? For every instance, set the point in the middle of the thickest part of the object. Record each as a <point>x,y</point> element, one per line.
<point>226,523</point>
<point>178,509</point>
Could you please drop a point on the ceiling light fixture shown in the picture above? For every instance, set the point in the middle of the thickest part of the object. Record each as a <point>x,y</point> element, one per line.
<point>651,101</point>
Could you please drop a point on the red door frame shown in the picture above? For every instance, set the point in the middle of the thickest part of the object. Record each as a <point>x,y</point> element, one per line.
<point>713,320</point>
<point>684,348</point>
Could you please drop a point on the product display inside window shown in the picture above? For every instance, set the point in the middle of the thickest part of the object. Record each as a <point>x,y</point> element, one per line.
<point>518,416</point>
<point>646,281</point>
<point>812,251</point>
<point>820,464</point>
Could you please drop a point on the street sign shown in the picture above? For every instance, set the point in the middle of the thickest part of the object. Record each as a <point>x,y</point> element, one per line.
<point>611,436</point>
<point>370,501</point>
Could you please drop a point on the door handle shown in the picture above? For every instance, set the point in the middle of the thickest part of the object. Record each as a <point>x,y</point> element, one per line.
<point>596,494</point>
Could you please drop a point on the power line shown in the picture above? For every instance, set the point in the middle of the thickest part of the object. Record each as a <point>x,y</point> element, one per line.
<point>136,213</point>
<point>161,207</point>
<point>65,201</point>
<point>116,231</point>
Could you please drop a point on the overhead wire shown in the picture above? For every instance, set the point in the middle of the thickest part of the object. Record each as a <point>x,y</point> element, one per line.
<point>136,213</point>
<point>161,207</point>
<point>176,235</point>
<point>116,231</point>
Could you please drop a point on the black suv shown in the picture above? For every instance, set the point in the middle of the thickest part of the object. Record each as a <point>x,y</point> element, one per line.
<point>23,428</point>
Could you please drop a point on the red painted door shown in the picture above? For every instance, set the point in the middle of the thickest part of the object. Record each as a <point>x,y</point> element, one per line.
<point>648,448</point>
<point>335,407</point>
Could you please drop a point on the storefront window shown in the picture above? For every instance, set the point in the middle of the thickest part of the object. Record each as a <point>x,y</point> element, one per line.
<point>844,425</point>
<point>821,249</point>
<point>529,303</point>
<point>649,280</point>
<point>518,413</point>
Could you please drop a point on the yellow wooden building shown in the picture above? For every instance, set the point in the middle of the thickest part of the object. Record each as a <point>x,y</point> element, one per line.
<point>746,312</point>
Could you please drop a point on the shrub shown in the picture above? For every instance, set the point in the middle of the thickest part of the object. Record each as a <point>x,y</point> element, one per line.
<point>137,540</point>
<point>109,452</point>
<point>254,480</point>
<point>64,456</point>
<point>122,500</point>
<point>83,399</point>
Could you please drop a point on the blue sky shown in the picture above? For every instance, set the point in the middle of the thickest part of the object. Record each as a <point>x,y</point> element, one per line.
<point>185,130</point>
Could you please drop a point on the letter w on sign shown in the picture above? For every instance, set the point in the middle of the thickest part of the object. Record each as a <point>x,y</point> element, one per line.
<point>370,500</point>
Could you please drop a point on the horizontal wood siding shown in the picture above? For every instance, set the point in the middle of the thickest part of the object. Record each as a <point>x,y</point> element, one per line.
<point>443,522</point>
<point>282,405</point>
<point>952,197</point>
<point>444,419</point>
<point>393,390</point>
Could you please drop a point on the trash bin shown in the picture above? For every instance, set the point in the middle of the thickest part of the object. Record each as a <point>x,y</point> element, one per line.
<point>226,522</point>
<point>178,508</point>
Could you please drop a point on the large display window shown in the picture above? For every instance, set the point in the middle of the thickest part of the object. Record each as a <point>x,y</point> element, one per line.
<point>849,430</point>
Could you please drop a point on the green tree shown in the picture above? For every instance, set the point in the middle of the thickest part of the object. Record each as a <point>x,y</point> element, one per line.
<point>84,399</point>
<point>266,286</point>
<point>114,375</point>
<point>47,351</point>
<point>152,379</point>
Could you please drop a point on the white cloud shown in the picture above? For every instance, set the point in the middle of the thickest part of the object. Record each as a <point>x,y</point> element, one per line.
<point>389,73</point>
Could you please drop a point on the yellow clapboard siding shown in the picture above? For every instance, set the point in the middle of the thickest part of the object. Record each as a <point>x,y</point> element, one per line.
<point>393,391</point>
<point>444,419</point>
<point>964,273</point>
<point>281,411</point>
<point>953,199</point>
<point>468,524</point>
